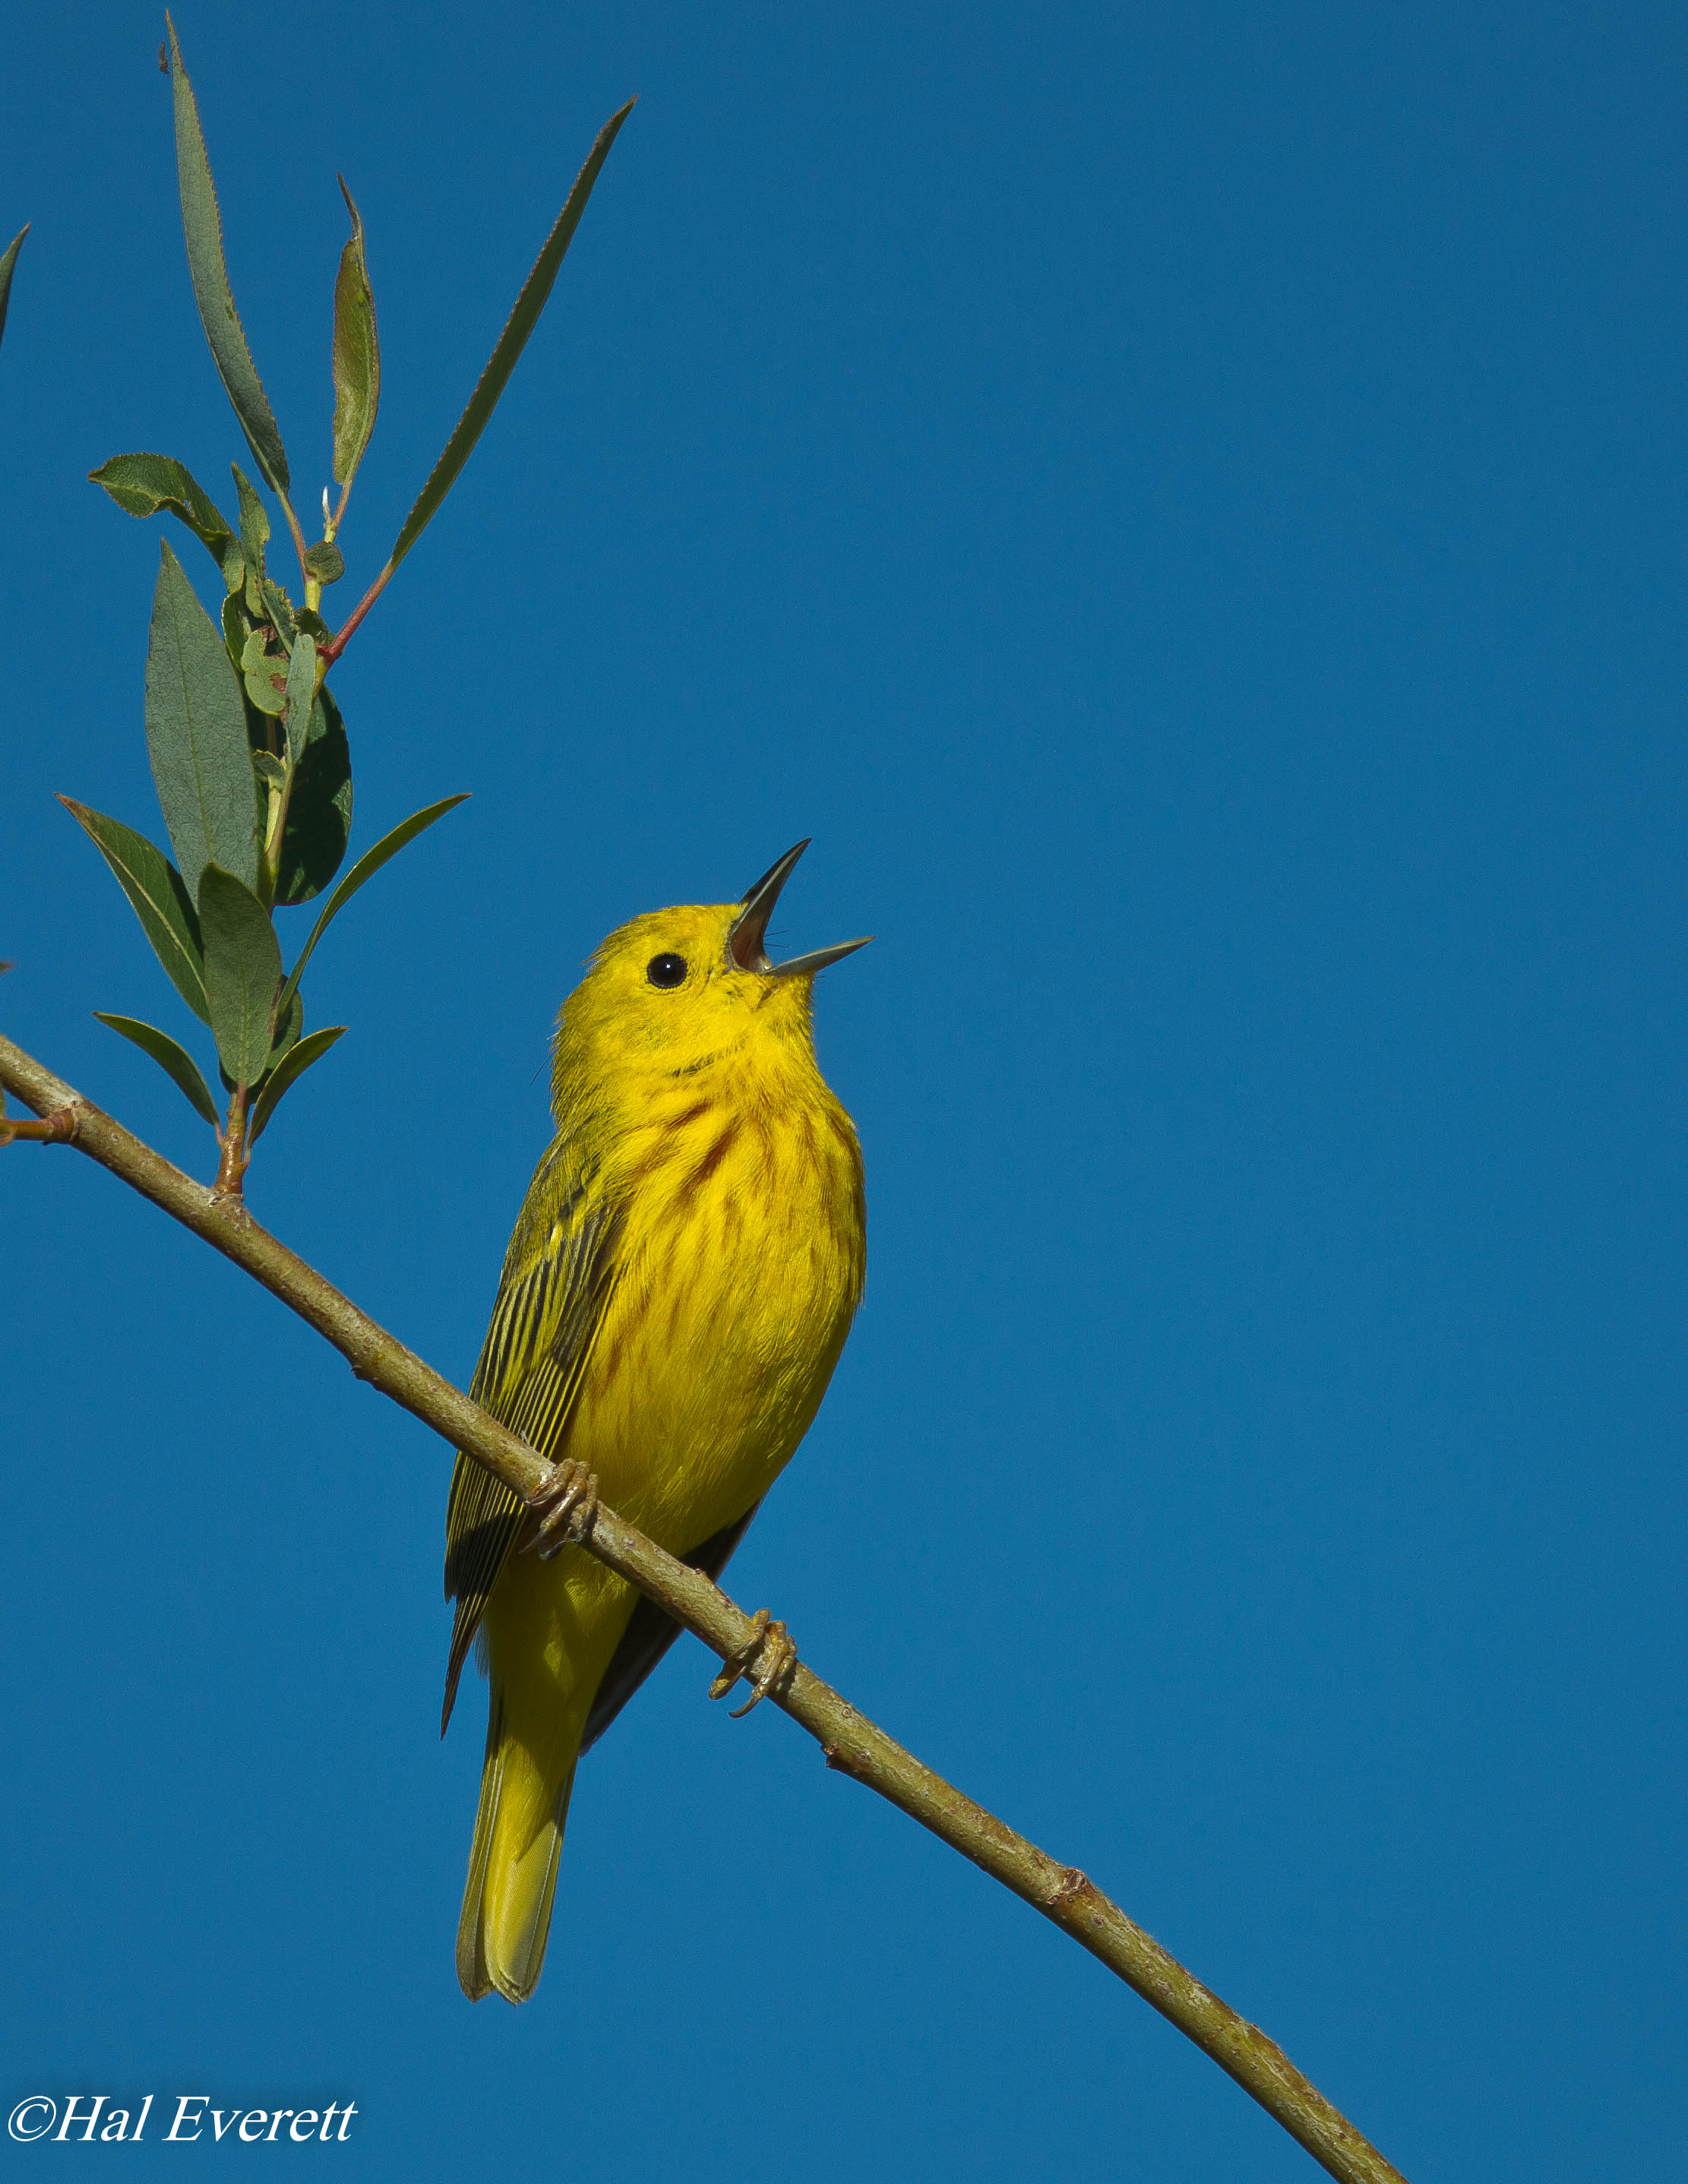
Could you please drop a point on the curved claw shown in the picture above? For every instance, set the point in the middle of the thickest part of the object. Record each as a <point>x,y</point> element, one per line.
<point>566,1505</point>
<point>778,1651</point>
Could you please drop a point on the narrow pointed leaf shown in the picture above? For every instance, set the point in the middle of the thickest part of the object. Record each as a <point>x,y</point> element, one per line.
<point>157,896</point>
<point>201,225</point>
<point>357,354</point>
<point>9,261</point>
<point>301,693</point>
<point>242,972</point>
<point>196,736</point>
<point>367,866</point>
<point>148,485</point>
<point>319,807</point>
<point>510,343</point>
<point>287,1074</point>
<point>176,1062</point>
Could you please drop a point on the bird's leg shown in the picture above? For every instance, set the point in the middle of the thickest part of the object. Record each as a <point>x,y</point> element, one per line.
<point>773,1643</point>
<point>565,1506</point>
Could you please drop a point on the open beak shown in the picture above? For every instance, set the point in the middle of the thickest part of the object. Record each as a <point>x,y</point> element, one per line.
<point>748,934</point>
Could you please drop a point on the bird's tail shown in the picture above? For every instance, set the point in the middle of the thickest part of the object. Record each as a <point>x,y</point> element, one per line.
<point>513,1860</point>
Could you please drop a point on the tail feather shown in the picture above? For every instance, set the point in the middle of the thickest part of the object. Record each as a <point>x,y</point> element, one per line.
<point>512,1862</point>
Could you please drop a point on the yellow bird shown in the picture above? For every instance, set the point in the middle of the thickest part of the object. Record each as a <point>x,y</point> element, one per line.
<point>677,1290</point>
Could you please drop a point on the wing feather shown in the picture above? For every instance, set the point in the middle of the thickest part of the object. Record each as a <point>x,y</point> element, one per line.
<point>557,1278</point>
<point>652,1631</point>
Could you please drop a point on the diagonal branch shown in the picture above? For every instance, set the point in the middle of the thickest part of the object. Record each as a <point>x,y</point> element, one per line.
<point>851,1743</point>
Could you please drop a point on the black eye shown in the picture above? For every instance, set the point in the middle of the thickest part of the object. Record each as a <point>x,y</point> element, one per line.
<point>666,970</point>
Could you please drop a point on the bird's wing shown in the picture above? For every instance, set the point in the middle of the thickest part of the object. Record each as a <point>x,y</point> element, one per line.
<point>652,1631</point>
<point>557,1280</point>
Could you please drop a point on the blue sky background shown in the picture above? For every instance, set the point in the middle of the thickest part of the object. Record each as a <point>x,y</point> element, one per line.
<point>1187,507</point>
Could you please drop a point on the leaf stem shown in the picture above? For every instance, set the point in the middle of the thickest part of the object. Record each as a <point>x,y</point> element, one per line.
<point>851,1744</point>
<point>298,532</point>
<point>270,865</point>
<point>337,645</point>
<point>270,854</point>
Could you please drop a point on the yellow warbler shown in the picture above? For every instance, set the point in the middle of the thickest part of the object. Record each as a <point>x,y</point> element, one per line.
<point>675,1295</point>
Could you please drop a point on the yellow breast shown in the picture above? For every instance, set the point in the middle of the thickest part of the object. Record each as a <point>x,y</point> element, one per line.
<point>741,1264</point>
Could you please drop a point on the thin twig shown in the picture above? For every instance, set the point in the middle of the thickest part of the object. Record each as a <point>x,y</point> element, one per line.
<point>235,1156</point>
<point>851,1743</point>
<point>58,1128</point>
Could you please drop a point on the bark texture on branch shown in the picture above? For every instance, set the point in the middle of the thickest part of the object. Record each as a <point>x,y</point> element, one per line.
<point>852,1744</point>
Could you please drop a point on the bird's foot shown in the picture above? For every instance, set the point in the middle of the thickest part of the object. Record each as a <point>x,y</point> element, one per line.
<point>772,1647</point>
<point>566,1505</point>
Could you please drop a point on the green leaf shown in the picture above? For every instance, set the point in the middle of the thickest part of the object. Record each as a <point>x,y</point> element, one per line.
<point>318,809</point>
<point>367,866</point>
<point>286,1074</point>
<point>264,674</point>
<point>146,485</point>
<point>357,354</point>
<point>235,629</point>
<point>301,695</point>
<point>325,561</point>
<point>202,226</point>
<point>196,736</point>
<point>511,341</point>
<point>10,259</point>
<point>242,972</point>
<point>254,520</point>
<point>157,896</point>
<point>176,1062</point>
<point>279,608</point>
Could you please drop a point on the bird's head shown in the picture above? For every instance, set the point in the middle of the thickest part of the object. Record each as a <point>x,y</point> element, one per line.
<point>676,989</point>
